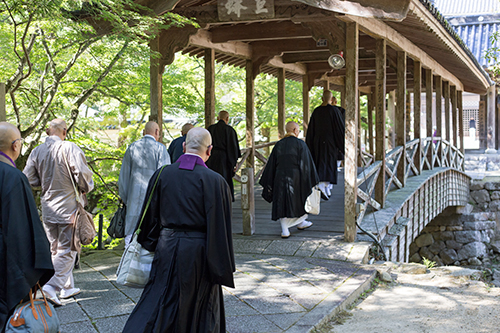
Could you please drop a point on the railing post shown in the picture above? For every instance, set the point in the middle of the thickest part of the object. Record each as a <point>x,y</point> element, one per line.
<point>248,201</point>
<point>99,234</point>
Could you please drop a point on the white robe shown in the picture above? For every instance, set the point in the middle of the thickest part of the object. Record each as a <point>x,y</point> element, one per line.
<point>141,160</point>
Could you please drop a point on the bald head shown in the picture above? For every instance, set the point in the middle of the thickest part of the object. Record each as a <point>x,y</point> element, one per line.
<point>153,129</point>
<point>327,97</point>
<point>185,128</point>
<point>10,143</point>
<point>199,142</point>
<point>58,127</point>
<point>223,115</point>
<point>292,128</point>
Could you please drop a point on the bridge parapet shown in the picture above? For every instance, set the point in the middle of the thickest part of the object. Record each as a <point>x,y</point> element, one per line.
<point>408,210</point>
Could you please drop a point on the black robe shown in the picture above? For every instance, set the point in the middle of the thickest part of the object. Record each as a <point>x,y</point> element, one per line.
<point>225,152</point>
<point>175,150</point>
<point>188,225</point>
<point>288,178</point>
<point>325,139</point>
<point>24,249</point>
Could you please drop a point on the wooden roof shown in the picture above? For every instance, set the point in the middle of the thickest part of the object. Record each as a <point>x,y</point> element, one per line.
<point>294,38</point>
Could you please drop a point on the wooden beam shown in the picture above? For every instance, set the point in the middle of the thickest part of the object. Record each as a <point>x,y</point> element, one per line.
<point>281,103</point>
<point>155,87</point>
<point>277,47</point>
<point>203,38</point>
<point>259,31</point>
<point>417,108</point>
<point>305,103</point>
<point>401,114</point>
<point>428,102</point>
<point>351,121</point>
<point>395,40</point>
<point>250,115</point>
<point>277,62</point>
<point>209,87</point>
<point>461,120</point>
<point>381,54</point>
<point>306,57</point>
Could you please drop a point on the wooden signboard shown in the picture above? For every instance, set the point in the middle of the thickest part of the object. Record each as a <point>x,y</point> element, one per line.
<point>243,10</point>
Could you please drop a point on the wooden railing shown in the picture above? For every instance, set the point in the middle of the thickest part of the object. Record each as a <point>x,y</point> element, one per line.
<point>258,155</point>
<point>434,152</point>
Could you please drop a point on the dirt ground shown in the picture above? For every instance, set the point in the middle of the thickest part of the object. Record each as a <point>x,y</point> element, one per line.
<point>446,299</point>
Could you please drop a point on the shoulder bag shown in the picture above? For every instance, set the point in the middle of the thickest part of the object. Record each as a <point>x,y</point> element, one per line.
<point>83,226</point>
<point>312,205</point>
<point>34,316</point>
<point>116,227</point>
<point>135,264</point>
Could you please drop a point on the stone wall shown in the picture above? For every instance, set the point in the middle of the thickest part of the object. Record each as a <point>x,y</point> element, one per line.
<point>485,196</point>
<point>456,239</point>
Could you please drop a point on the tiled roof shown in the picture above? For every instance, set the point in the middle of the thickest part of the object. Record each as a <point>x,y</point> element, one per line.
<point>467,7</point>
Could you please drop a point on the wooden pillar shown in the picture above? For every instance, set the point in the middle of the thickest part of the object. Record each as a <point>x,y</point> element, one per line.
<point>490,135</point>
<point>446,95</point>
<point>359,132</point>
<point>401,114</point>
<point>351,121</point>
<point>428,102</point>
<point>439,114</point>
<point>209,87</point>
<point>408,116</point>
<point>371,145</point>
<point>155,87</point>
<point>342,96</point>
<point>461,120</point>
<point>250,115</point>
<point>481,124</point>
<point>391,110</point>
<point>305,103</point>
<point>454,125</point>
<point>380,79</point>
<point>417,104</point>
<point>281,103</point>
<point>3,112</point>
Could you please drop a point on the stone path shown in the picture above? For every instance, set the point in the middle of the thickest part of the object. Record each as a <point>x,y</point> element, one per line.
<point>280,287</point>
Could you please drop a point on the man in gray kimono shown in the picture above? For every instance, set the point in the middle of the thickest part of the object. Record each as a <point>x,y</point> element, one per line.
<point>47,167</point>
<point>141,160</point>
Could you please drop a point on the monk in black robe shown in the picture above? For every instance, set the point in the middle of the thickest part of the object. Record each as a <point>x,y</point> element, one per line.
<point>325,139</point>
<point>175,150</point>
<point>188,225</point>
<point>226,149</point>
<point>24,249</point>
<point>288,180</point>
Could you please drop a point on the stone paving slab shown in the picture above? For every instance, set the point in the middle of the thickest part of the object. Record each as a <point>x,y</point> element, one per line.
<point>276,290</point>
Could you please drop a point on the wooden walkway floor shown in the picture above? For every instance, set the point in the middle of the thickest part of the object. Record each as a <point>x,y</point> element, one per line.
<point>328,224</point>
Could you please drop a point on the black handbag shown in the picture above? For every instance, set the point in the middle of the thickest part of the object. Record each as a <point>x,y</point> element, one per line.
<point>116,227</point>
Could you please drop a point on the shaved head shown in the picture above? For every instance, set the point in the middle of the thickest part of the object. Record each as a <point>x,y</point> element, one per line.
<point>57,127</point>
<point>223,115</point>
<point>9,135</point>
<point>153,129</point>
<point>185,128</point>
<point>327,96</point>
<point>197,140</point>
<point>291,126</point>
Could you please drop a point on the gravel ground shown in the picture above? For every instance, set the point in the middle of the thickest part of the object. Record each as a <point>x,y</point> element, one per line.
<point>445,299</point>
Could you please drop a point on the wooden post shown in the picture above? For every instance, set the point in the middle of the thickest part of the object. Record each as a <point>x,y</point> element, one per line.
<point>155,87</point>
<point>391,113</point>
<point>446,95</point>
<point>454,127</point>
<point>490,134</point>
<point>461,120</point>
<point>439,115</point>
<point>401,114</point>
<point>351,121</point>
<point>359,132</point>
<point>429,112</point>
<point>247,201</point>
<point>209,87</point>
<point>281,103</point>
<point>3,112</point>
<point>408,116</point>
<point>370,123</point>
<point>250,117</point>
<point>380,80</point>
<point>481,123</point>
<point>417,105</point>
<point>305,103</point>
<point>342,96</point>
